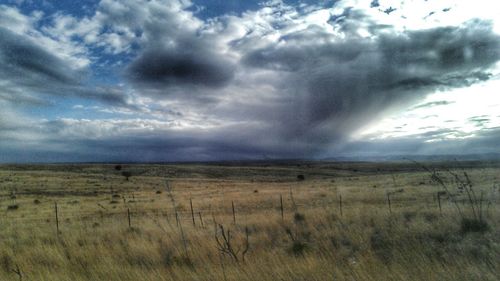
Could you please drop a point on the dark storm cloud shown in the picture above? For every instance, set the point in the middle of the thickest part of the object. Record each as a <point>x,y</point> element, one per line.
<point>162,68</point>
<point>443,50</point>
<point>236,142</point>
<point>30,64</point>
<point>330,89</point>
<point>295,57</point>
<point>28,70</point>
<point>339,87</point>
<point>171,51</point>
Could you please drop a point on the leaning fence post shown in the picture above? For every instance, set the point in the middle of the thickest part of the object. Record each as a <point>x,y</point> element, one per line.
<point>201,219</point>
<point>192,211</point>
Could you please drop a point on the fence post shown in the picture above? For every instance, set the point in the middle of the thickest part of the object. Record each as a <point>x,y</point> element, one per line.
<point>439,202</point>
<point>389,202</point>
<point>340,204</point>
<point>281,208</point>
<point>234,213</point>
<point>201,219</point>
<point>128,216</point>
<point>57,218</point>
<point>192,211</point>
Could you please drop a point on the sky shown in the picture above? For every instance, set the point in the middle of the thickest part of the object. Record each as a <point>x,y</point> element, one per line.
<point>193,80</point>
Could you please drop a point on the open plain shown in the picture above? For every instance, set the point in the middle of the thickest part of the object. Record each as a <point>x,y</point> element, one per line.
<point>250,221</point>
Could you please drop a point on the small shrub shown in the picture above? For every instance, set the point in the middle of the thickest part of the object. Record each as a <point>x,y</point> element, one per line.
<point>441,193</point>
<point>115,196</point>
<point>6,262</point>
<point>36,201</point>
<point>301,177</point>
<point>409,216</point>
<point>346,242</point>
<point>118,167</point>
<point>430,217</point>
<point>335,242</point>
<point>441,237</point>
<point>298,248</point>
<point>12,207</point>
<point>473,225</point>
<point>183,261</point>
<point>167,256</point>
<point>298,217</point>
<point>126,174</point>
<point>114,202</point>
<point>158,192</point>
<point>462,183</point>
<point>381,246</point>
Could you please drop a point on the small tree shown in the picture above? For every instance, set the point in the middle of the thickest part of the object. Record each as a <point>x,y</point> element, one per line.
<point>126,174</point>
<point>118,167</point>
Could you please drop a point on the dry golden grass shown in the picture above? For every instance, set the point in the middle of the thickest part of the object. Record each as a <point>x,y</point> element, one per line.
<point>312,242</point>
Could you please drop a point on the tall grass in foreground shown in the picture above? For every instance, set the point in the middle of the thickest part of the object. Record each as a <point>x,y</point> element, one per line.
<point>302,236</point>
<point>472,211</point>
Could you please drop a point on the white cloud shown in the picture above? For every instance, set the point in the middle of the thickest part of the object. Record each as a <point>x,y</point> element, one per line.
<point>25,25</point>
<point>466,112</point>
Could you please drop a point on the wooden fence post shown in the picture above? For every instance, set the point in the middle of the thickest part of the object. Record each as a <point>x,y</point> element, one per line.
<point>234,213</point>
<point>201,219</point>
<point>192,211</point>
<point>57,217</point>
<point>340,204</point>
<point>389,202</point>
<point>128,216</point>
<point>281,208</point>
<point>439,202</point>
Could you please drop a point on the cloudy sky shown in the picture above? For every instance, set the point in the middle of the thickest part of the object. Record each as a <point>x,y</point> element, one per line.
<point>181,80</point>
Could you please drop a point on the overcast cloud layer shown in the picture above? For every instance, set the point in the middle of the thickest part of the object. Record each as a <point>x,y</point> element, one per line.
<point>158,80</point>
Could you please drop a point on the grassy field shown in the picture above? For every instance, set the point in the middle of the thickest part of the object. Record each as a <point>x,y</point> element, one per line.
<point>343,221</point>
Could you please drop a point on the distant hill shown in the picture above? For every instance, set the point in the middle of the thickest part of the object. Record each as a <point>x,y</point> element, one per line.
<point>443,157</point>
